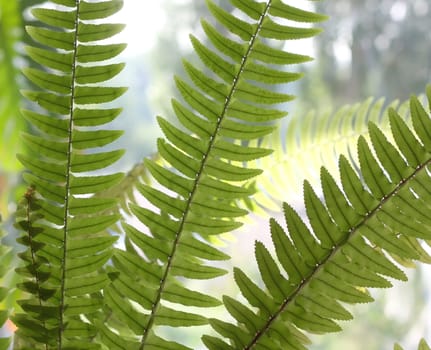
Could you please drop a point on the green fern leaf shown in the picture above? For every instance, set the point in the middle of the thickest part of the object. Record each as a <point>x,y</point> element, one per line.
<point>203,166</point>
<point>351,247</point>
<point>319,139</point>
<point>63,223</point>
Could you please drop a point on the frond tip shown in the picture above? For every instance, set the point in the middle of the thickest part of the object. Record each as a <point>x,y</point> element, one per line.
<point>353,237</point>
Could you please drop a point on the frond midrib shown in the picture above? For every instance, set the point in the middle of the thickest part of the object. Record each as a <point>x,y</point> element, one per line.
<point>200,172</point>
<point>68,175</point>
<point>335,249</point>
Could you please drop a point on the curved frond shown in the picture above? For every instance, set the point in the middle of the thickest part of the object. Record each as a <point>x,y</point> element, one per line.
<point>312,141</point>
<point>226,103</point>
<point>355,236</point>
<point>63,225</point>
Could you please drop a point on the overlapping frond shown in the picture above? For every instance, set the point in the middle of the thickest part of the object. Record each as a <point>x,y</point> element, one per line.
<point>354,237</point>
<point>62,222</point>
<point>314,140</point>
<point>125,190</point>
<point>227,103</point>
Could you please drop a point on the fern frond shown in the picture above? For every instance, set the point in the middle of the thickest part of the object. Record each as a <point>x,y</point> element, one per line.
<point>227,101</point>
<point>63,224</point>
<point>348,246</point>
<point>314,140</point>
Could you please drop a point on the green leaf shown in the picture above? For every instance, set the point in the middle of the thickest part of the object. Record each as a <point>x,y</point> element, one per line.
<point>88,184</point>
<point>50,125</point>
<point>151,247</point>
<point>114,341</point>
<point>259,72</point>
<point>81,286</point>
<point>91,225</point>
<point>170,180</point>
<point>89,246</point>
<point>236,152</point>
<point>242,314</point>
<point>191,121</point>
<point>273,30</point>
<point>267,54</point>
<point>50,149</point>
<point>271,275</point>
<point>245,131</point>
<point>175,293</point>
<point>218,65</point>
<point>249,113</point>
<point>216,90</point>
<point>169,317</point>
<point>90,10</point>
<point>251,8</point>
<point>89,205</point>
<point>178,159</point>
<point>97,53</point>
<point>227,46</point>
<point>90,95</point>
<point>152,273</point>
<point>87,264</point>
<point>406,141</point>
<point>189,144</point>
<point>94,32</point>
<point>94,161</point>
<point>56,18</point>
<point>280,9</point>
<point>53,82</point>
<point>185,268</point>
<point>374,176</point>
<point>227,171</point>
<point>421,122</point>
<point>88,75</point>
<point>45,170</point>
<point>94,117</point>
<point>254,295</point>
<point>389,157</point>
<point>125,311</point>
<point>52,102</point>
<point>52,38</point>
<point>201,249</point>
<point>90,139</point>
<point>260,95</point>
<point>207,107</point>
<point>241,28</point>
<point>61,61</point>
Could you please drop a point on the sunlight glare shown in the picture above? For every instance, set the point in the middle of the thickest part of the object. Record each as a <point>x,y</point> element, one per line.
<point>144,20</point>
